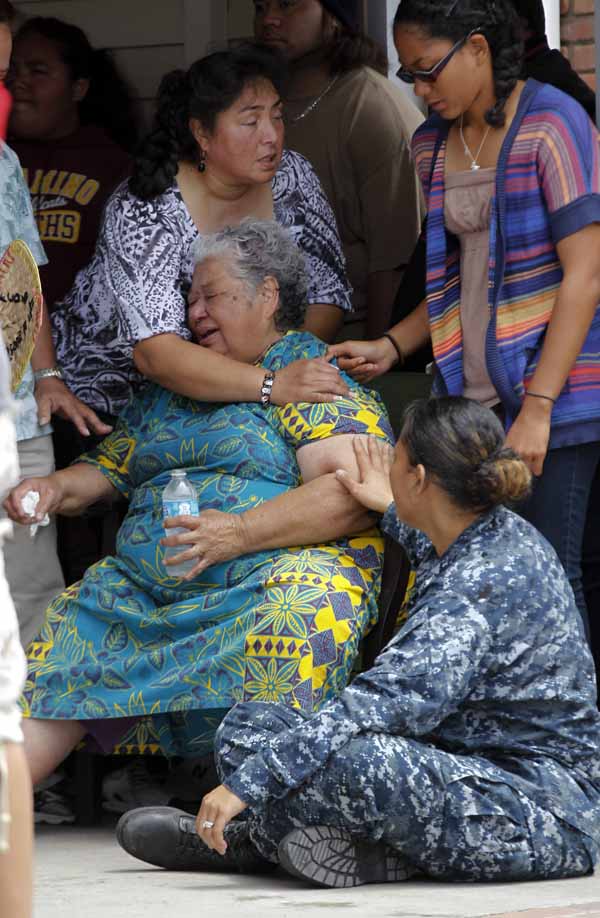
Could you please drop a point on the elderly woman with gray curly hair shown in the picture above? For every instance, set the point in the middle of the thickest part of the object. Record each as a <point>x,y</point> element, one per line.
<point>286,564</point>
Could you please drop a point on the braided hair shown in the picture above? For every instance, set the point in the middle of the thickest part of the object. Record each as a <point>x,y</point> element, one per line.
<point>209,87</point>
<point>496,20</point>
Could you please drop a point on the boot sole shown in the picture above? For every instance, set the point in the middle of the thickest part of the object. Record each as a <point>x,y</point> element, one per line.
<point>330,858</point>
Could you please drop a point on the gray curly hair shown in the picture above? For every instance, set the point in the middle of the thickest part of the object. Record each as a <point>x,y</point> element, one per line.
<point>258,249</point>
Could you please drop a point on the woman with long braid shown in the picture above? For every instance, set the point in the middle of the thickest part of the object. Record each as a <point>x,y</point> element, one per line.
<point>511,173</point>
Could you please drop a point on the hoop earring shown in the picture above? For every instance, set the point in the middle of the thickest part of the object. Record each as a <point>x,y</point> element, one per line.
<point>202,161</point>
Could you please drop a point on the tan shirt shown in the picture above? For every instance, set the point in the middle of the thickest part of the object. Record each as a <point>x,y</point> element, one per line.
<point>358,141</point>
<point>467,204</point>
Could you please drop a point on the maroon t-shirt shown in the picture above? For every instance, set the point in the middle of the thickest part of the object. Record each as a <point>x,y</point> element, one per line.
<point>70,181</point>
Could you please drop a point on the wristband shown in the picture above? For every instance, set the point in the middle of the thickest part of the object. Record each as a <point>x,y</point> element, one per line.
<point>48,373</point>
<point>266,388</point>
<point>397,347</point>
<point>548,398</point>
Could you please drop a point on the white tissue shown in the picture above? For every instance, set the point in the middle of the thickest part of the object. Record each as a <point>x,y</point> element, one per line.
<point>29,504</point>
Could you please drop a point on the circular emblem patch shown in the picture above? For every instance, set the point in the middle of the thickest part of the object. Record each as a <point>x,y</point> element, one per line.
<point>20,306</point>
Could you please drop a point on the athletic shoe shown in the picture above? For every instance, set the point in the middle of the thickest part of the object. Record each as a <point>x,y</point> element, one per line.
<point>166,837</point>
<point>131,787</point>
<point>51,807</point>
<point>332,858</point>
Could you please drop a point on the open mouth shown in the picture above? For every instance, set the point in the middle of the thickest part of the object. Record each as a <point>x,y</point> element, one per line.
<point>204,336</point>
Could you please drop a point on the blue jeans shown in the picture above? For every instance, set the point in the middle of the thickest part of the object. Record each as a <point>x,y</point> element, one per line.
<point>558,509</point>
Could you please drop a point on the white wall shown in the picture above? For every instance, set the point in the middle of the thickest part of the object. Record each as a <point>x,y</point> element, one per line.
<point>552,11</point>
<point>148,37</point>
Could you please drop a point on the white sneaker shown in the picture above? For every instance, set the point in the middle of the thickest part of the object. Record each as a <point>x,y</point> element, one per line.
<point>52,808</point>
<point>132,786</point>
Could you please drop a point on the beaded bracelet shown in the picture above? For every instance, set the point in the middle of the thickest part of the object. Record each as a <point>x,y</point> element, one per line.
<point>396,347</point>
<point>266,388</point>
<point>539,395</point>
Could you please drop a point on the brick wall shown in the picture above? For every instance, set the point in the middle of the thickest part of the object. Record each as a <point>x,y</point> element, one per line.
<point>577,37</point>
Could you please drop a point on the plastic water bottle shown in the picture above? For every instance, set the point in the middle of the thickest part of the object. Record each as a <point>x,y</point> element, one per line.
<point>179,499</point>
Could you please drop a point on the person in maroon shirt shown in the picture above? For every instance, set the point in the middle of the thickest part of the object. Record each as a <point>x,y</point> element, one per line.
<point>71,127</point>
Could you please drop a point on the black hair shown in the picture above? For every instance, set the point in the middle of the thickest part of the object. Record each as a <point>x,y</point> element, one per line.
<point>209,87</point>
<point>108,101</point>
<point>494,19</point>
<point>348,49</point>
<point>7,12</point>
<point>532,11</point>
<point>461,446</point>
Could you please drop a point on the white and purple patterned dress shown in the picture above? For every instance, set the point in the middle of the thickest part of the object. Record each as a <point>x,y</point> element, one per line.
<point>136,284</point>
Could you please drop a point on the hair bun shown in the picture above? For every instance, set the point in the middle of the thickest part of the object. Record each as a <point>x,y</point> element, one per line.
<point>507,477</point>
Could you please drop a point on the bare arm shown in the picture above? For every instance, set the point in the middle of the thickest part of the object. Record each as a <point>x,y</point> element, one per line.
<point>320,510</point>
<point>576,304</point>
<point>313,513</point>
<point>67,492</point>
<point>201,374</point>
<point>324,321</point>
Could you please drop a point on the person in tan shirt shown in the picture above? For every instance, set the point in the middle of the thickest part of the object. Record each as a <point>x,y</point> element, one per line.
<point>354,126</point>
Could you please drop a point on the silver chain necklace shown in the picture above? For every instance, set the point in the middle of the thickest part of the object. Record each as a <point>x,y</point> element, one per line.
<point>474,164</point>
<point>310,108</point>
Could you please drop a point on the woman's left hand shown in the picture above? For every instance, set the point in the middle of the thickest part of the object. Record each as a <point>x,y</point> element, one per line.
<point>218,808</point>
<point>54,397</point>
<point>212,537</point>
<point>529,435</point>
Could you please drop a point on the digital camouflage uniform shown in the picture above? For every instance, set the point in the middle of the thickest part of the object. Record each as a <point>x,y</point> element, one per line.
<point>472,745</point>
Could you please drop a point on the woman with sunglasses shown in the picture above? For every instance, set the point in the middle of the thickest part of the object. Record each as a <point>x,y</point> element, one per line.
<point>511,175</point>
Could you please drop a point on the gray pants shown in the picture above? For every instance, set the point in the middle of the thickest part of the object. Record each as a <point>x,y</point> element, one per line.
<point>453,817</point>
<point>32,568</point>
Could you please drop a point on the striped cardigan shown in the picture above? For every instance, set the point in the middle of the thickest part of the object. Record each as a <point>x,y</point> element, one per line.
<point>547,187</point>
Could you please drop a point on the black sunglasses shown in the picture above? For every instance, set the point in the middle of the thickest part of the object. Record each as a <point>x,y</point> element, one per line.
<point>430,76</point>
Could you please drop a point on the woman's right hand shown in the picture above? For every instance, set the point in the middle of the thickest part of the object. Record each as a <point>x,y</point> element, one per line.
<point>51,498</point>
<point>374,459</point>
<point>313,380</point>
<point>364,360</point>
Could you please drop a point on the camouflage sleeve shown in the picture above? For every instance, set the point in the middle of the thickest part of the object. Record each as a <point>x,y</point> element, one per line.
<point>415,543</point>
<point>423,676</point>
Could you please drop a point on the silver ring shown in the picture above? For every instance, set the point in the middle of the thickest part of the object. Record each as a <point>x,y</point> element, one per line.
<point>207,824</point>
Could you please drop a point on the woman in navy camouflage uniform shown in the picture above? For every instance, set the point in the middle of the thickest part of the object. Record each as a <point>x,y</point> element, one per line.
<point>470,751</point>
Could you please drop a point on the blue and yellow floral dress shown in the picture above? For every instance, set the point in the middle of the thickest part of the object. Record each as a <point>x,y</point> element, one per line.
<point>131,641</point>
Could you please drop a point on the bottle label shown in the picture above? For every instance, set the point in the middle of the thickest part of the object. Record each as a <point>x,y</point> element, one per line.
<point>180,508</point>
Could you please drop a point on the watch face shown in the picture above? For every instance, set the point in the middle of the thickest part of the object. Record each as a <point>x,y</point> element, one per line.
<point>21,305</point>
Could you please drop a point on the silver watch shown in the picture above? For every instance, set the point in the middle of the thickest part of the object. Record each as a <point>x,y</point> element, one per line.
<point>48,373</point>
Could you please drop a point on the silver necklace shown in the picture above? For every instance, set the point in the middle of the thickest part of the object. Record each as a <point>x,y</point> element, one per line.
<point>310,108</point>
<point>474,164</point>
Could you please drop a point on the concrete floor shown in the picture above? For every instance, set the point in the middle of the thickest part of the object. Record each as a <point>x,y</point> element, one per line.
<point>82,873</point>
